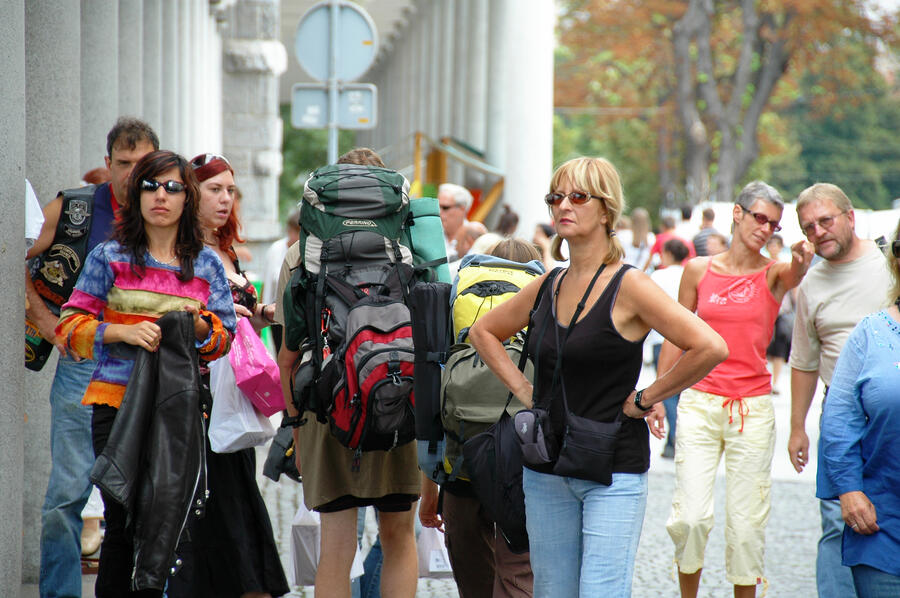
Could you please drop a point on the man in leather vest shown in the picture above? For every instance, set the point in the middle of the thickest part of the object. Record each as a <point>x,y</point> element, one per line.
<point>74,223</point>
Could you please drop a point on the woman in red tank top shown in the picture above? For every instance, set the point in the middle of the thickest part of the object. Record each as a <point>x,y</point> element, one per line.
<point>737,293</point>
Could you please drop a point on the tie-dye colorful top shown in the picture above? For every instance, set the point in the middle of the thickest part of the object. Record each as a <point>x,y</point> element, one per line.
<point>109,291</point>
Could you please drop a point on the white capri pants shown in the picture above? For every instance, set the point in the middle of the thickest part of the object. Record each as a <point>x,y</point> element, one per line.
<point>744,429</point>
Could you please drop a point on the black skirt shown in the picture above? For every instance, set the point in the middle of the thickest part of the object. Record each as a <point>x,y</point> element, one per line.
<point>230,550</point>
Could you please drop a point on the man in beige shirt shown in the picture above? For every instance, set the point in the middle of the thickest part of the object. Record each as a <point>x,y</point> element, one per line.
<point>850,282</point>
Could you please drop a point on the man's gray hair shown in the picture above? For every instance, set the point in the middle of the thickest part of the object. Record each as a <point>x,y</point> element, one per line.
<point>460,194</point>
<point>759,190</point>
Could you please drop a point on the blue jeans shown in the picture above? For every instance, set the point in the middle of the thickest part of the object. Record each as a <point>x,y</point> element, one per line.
<point>874,583</point>
<point>72,456</point>
<point>671,403</point>
<point>583,536</point>
<point>833,580</point>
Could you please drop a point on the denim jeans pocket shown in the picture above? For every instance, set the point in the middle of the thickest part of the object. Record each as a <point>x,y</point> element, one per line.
<point>588,449</point>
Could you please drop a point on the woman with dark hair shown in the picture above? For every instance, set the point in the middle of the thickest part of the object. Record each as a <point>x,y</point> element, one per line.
<point>155,263</point>
<point>584,512</point>
<point>232,548</point>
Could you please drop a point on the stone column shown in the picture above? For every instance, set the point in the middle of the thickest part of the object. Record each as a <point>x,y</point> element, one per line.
<point>529,111</point>
<point>169,133</point>
<point>99,78</point>
<point>446,59</point>
<point>419,83</point>
<point>186,93</point>
<point>475,88</point>
<point>497,89</point>
<point>456,80</point>
<point>433,74</point>
<point>12,251</point>
<point>151,61</point>
<point>253,58</point>
<point>131,51</point>
<point>52,163</point>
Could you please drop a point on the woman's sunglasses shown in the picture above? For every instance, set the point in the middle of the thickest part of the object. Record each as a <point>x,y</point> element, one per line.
<point>895,248</point>
<point>171,187</point>
<point>576,197</point>
<point>763,219</point>
<point>204,159</point>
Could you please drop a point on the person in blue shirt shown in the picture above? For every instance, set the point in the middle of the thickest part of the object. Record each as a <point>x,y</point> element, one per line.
<point>860,444</point>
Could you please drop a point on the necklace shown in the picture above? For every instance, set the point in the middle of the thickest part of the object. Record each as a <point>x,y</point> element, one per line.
<point>167,263</point>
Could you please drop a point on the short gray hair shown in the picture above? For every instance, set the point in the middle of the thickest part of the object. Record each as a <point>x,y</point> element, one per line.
<point>460,194</point>
<point>759,190</point>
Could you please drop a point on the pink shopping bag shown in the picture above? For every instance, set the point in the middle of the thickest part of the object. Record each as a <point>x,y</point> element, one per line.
<point>255,371</point>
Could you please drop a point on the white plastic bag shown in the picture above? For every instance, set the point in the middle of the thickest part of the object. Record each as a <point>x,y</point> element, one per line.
<point>434,561</point>
<point>306,530</point>
<point>233,423</point>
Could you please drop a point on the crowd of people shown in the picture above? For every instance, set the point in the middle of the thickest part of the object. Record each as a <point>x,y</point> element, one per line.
<point>156,286</point>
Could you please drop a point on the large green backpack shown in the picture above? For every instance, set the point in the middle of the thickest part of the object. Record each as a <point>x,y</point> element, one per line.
<point>472,399</point>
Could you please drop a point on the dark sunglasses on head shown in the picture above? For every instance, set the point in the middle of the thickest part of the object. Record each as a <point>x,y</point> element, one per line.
<point>171,187</point>
<point>204,159</point>
<point>763,219</point>
<point>576,197</point>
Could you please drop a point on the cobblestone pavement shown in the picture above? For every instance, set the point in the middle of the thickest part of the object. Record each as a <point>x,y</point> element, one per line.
<point>790,543</point>
<point>791,538</point>
<point>792,532</point>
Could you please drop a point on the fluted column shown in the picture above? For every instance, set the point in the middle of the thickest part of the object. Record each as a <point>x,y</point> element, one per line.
<point>99,78</point>
<point>52,163</point>
<point>151,78</point>
<point>12,223</point>
<point>131,53</point>
<point>529,136</point>
<point>170,135</point>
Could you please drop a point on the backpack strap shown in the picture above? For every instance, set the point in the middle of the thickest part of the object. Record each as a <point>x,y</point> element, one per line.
<point>523,358</point>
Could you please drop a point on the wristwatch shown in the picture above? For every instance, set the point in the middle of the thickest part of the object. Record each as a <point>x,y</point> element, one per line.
<point>637,401</point>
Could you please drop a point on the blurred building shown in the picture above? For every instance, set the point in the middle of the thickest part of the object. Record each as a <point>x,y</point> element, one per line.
<point>471,80</point>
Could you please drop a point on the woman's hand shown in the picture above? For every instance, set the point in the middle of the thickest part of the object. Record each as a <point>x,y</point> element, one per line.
<point>143,334</point>
<point>858,512</point>
<point>242,311</point>
<point>428,515</point>
<point>525,394</point>
<point>656,420</point>
<point>631,410</point>
<point>201,326</point>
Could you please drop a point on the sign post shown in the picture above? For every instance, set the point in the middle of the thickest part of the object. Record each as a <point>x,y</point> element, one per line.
<point>348,34</point>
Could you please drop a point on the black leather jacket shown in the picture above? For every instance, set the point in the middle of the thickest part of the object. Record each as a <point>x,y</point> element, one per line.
<point>154,460</point>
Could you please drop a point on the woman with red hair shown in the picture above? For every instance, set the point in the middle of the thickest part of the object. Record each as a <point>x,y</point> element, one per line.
<point>233,552</point>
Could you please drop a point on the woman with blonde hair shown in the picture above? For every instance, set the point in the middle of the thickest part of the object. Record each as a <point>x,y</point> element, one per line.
<point>585,503</point>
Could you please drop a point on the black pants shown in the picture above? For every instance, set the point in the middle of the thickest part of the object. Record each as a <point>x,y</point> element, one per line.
<point>117,549</point>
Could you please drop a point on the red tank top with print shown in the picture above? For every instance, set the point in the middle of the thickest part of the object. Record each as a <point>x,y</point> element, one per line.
<point>742,310</point>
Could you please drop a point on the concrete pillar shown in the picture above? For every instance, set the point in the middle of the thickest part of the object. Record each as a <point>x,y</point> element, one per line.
<point>405,53</point>
<point>447,64</point>
<point>456,81</point>
<point>131,52</point>
<point>476,86</point>
<point>12,250</point>
<point>186,92</point>
<point>433,45</point>
<point>253,59</point>
<point>52,163</point>
<point>99,78</point>
<point>151,78</point>
<point>420,83</point>
<point>170,135</point>
<point>498,90</point>
<point>529,114</point>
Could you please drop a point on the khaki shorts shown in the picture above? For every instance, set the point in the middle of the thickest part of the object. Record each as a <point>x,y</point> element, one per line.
<point>744,431</point>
